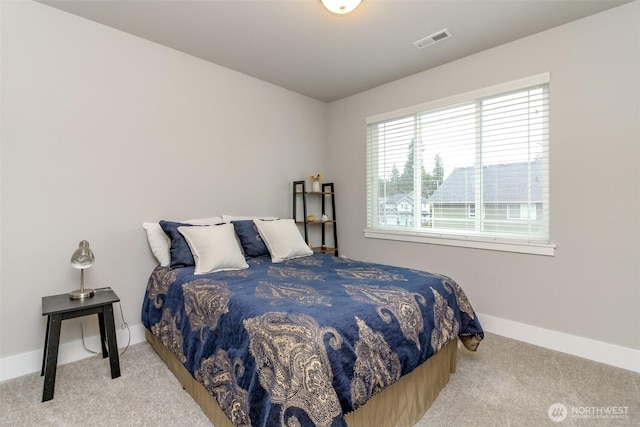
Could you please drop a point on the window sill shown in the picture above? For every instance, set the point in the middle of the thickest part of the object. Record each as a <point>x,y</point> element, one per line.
<point>464,242</point>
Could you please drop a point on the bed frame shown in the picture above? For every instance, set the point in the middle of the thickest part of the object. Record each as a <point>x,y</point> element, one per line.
<point>400,405</point>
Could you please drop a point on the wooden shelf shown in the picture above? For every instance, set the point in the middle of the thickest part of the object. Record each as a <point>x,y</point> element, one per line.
<point>325,251</point>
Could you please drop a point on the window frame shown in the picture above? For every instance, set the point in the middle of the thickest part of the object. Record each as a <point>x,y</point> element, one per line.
<point>455,237</point>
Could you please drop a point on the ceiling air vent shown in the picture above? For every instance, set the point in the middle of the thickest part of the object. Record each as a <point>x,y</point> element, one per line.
<point>433,38</point>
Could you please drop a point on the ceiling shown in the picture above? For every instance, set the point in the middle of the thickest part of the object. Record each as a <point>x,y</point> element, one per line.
<point>298,45</point>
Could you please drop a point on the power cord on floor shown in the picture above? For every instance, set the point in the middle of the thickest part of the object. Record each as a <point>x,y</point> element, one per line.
<point>124,326</point>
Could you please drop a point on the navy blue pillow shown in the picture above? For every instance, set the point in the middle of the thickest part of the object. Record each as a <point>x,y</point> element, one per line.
<point>179,250</point>
<point>250,239</point>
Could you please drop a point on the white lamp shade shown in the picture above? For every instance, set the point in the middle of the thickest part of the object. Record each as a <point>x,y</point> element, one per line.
<point>341,7</point>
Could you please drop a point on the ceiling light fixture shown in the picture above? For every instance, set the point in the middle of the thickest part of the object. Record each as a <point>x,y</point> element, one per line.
<point>341,7</point>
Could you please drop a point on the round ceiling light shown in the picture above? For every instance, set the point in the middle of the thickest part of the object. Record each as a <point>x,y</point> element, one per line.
<point>341,7</point>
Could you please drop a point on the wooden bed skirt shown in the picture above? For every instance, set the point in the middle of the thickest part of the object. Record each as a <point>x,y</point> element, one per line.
<point>400,405</point>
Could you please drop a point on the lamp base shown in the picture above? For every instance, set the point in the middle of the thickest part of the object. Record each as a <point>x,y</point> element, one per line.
<point>82,293</point>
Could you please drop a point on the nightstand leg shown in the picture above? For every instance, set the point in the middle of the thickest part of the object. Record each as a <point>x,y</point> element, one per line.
<point>103,337</point>
<point>51,358</point>
<point>46,345</point>
<point>110,330</point>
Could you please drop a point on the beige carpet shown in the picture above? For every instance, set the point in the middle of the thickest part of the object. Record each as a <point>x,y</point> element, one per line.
<point>504,383</point>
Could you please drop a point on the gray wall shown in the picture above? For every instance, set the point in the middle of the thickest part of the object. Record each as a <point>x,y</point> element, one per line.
<point>591,287</point>
<point>102,131</point>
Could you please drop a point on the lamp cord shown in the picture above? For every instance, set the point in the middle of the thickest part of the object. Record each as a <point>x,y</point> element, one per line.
<point>124,326</point>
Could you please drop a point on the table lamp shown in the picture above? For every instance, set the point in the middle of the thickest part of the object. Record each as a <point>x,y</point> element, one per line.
<point>82,258</point>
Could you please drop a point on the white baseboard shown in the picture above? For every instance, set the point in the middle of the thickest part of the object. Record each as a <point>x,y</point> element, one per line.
<point>26,363</point>
<point>610,354</point>
<point>598,351</point>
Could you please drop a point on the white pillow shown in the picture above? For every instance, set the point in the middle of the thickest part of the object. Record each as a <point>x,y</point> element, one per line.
<point>229,218</point>
<point>204,221</point>
<point>283,239</point>
<point>159,242</point>
<point>214,248</point>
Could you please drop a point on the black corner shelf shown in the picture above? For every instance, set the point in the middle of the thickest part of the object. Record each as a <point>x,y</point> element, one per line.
<point>327,196</point>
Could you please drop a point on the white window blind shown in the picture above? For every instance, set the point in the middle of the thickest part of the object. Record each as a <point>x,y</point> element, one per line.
<point>471,167</point>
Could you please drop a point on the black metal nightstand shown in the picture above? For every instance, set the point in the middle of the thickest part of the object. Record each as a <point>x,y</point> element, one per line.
<point>61,307</point>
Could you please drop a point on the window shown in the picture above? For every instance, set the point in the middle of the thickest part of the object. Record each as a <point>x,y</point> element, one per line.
<point>475,166</point>
<point>521,211</point>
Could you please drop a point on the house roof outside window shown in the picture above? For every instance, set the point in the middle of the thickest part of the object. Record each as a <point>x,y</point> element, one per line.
<point>506,183</point>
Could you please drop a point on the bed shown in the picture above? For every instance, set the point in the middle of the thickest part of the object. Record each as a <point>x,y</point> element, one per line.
<point>288,337</point>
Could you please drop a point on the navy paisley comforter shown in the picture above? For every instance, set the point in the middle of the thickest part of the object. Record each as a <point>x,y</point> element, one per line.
<point>303,342</point>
